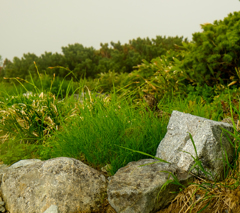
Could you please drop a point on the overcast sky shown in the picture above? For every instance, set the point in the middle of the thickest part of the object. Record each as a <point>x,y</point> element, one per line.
<point>37,26</point>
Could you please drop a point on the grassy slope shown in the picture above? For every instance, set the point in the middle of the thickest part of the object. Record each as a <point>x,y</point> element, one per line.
<point>43,127</point>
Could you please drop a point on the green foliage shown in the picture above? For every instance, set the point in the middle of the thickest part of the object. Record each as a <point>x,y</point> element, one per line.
<point>56,85</point>
<point>31,116</point>
<point>1,68</point>
<point>105,82</point>
<point>1,61</point>
<point>7,68</point>
<point>81,60</point>
<point>213,56</point>
<point>228,108</point>
<point>88,62</point>
<point>122,58</point>
<point>13,150</point>
<point>28,119</point>
<point>202,68</point>
<point>102,124</point>
<point>206,92</point>
<point>158,77</point>
<point>20,67</point>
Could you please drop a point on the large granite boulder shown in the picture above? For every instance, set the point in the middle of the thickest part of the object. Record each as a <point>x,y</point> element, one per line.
<point>207,135</point>
<point>65,182</point>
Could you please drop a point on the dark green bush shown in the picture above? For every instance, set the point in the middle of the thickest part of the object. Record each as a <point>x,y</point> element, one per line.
<point>214,55</point>
<point>88,62</point>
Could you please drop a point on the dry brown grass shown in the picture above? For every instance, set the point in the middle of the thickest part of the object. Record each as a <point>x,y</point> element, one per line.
<point>221,197</point>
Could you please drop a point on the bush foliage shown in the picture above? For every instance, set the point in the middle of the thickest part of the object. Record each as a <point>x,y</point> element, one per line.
<point>88,62</point>
<point>214,55</point>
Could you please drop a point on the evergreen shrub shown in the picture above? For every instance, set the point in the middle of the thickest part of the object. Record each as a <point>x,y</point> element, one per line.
<point>213,56</point>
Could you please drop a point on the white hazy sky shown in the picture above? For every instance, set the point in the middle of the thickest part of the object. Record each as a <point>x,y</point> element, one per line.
<point>37,26</point>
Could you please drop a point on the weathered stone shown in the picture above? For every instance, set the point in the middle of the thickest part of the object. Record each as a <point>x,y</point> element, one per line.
<point>135,189</point>
<point>207,138</point>
<point>3,166</point>
<point>3,169</point>
<point>24,163</point>
<point>65,182</point>
<point>52,209</point>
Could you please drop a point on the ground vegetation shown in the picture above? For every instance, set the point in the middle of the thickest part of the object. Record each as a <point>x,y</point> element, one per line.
<point>88,103</point>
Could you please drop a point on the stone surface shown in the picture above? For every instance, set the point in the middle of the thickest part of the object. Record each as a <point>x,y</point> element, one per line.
<point>135,189</point>
<point>65,182</point>
<point>24,163</point>
<point>52,209</point>
<point>3,169</point>
<point>2,209</point>
<point>207,138</point>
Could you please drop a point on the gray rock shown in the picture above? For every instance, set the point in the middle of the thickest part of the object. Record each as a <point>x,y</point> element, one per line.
<point>3,169</point>
<point>65,182</point>
<point>135,189</point>
<point>207,138</point>
<point>52,209</point>
<point>24,163</point>
<point>3,166</point>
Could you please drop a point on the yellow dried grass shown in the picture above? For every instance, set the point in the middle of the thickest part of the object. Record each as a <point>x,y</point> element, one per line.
<point>222,197</point>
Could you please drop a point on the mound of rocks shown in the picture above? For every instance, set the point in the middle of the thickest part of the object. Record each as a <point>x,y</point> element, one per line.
<point>66,185</point>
